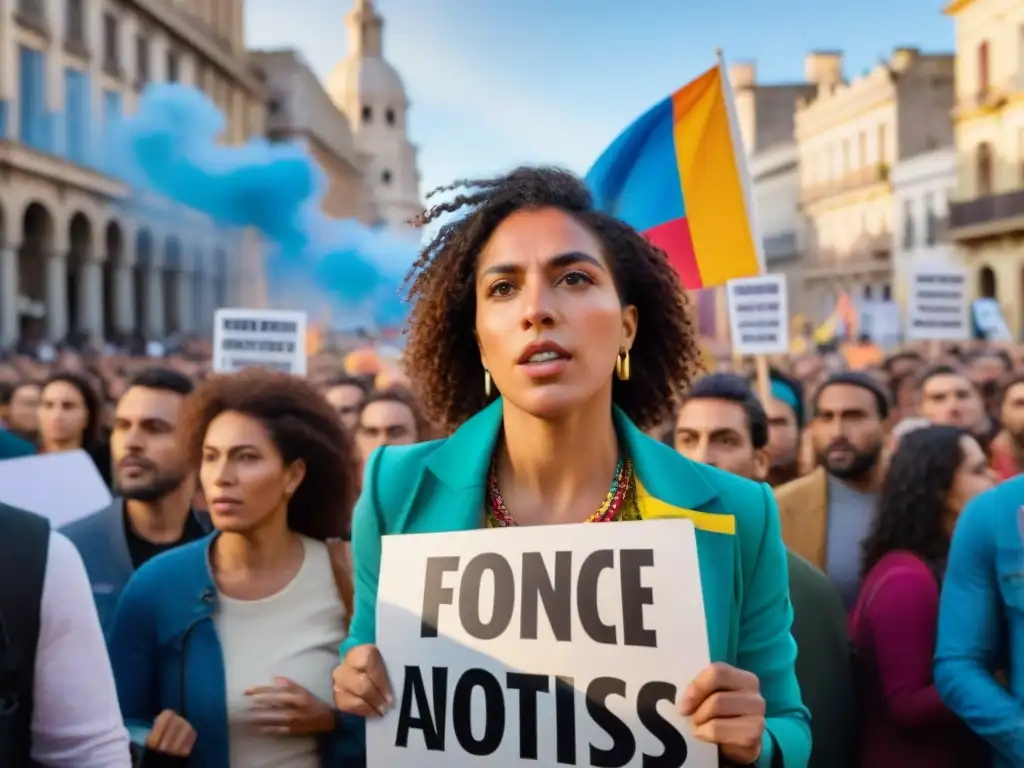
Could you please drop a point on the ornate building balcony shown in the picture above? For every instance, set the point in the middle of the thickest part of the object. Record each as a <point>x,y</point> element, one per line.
<point>987,216</point>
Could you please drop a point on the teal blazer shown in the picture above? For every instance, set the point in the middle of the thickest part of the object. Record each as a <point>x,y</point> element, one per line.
<point>440,486</point>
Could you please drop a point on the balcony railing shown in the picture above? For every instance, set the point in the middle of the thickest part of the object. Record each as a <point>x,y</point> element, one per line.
<point>31,14</point>
<point>987,216</point>
<point>862,177</point>
<point>990,97</point>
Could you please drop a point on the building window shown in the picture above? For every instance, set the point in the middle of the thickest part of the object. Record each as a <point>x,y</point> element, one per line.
<point>76,114</point>
<point>883,142</point>
<point>274,106</point>
<point>173,66</point>
<point>32,98</point>
<point>111,48</point>
<point>983,166</point>
<point>111,107</point>
<point>886,292</point>
<point>931,221</point>
<point>367,113</point>
<point>908,225</point>
<point>142,74</point>
<point>389,117</point>
<point>74,25</point>
<point>386,177</point>
<point>867,293</point>
<point>983,70</point>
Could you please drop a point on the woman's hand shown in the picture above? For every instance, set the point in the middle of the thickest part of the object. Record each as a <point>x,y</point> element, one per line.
<point>361,683</point>
<point>287,709</point>
<point>726,708</point>
<point>171,735</point>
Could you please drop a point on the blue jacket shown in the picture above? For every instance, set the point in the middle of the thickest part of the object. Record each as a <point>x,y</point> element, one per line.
<point>166,655</point>
<point>13,447</point>
<point>103,544</point>
<point>440,486</point>
<point>981,621</point>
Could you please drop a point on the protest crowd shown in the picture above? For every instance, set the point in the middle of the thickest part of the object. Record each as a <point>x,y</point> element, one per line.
<point>857,518</point>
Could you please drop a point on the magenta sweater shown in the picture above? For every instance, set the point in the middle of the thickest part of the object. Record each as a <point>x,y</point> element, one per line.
<point>893,626</point>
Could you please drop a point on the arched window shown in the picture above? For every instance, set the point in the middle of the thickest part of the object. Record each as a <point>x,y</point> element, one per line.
<point>367,113</point>
<point>389,117</point>
<point>385,177</point>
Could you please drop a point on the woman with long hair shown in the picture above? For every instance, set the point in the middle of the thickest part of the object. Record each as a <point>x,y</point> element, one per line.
<point>71,418</point>
<point>547,336</point>
<point>223,648</point>
<point>934,472</point>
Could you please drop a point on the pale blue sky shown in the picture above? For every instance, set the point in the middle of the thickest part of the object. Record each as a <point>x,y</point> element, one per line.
<point>494,83</point>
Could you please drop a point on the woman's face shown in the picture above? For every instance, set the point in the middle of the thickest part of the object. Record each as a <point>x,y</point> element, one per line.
<point>245,481</point>
<point>549,320</point>
<point>972,477</point>
<point>63,414</point>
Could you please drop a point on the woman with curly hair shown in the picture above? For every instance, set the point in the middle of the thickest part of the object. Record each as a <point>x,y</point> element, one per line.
<point>934,472</point>
<point>223,648</point>
<point>547,336</point>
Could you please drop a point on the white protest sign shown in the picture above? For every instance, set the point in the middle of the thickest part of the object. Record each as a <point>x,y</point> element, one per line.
<point>553,645</point>
<point>63,487</point>
<point>938,304</point>
<point>265,338</point>
<point>759,315</point>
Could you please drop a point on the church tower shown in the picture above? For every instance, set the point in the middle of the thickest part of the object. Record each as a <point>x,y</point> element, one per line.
<point>368,90</point>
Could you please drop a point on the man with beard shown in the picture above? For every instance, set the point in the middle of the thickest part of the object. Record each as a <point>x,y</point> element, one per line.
<point>153,511</point>
<point>826,515</point>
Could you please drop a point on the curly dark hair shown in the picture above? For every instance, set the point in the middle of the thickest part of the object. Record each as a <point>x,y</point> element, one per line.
<point>90,397</point>
<point>442,350</point>
<point>912,505</point>
<point>301,424</point>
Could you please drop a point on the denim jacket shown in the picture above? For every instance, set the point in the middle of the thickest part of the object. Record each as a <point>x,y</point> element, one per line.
<point>981,621</point>
<point>166,655</point>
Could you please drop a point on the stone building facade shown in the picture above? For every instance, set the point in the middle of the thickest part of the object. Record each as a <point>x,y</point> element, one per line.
<point>76,254</point>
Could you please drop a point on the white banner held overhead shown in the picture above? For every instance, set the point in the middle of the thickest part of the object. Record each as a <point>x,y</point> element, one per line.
<point>553,645</point>
<point>263,338</point>
<point>939,306</point>
<point>759,315</point>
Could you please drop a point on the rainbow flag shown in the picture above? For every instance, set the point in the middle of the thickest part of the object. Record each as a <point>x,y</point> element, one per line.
<point>679,175</point>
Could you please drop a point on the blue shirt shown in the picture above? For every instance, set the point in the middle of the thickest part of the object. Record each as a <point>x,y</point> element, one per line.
<point>981,621</point>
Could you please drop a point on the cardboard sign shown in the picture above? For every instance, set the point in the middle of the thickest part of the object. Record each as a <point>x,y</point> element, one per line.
<point>938,308</point>
<point>759,315</point>
<point>263,338</point>
<point>558,645</point>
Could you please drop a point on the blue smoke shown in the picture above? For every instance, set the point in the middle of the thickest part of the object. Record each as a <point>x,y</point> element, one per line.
<point>169,147</point>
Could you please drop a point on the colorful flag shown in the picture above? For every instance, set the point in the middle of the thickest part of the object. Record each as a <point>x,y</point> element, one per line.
<point>678,174</point>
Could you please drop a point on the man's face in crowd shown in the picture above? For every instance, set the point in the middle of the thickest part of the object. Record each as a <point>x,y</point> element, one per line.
<point>783,434</point>
<point>985,373</point>
<point>848,431</point>
<point>385,422</point>
<point>717,432</point>
<point>346,399</point>
<point>1012,412</point>
<point>951,399</point>
<point>146,455</point>
<point>22,414</point>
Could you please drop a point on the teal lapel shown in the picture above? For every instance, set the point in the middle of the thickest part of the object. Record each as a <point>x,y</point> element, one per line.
<point>461,464</point>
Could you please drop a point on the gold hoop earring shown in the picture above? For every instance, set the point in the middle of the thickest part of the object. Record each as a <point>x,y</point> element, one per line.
<point>487,383</point>
<point>622,366</point>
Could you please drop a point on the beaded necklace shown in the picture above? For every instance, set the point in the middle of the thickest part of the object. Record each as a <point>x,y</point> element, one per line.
<point>606,513</point>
